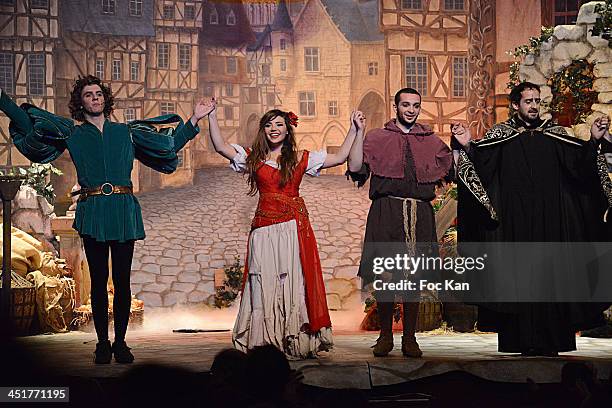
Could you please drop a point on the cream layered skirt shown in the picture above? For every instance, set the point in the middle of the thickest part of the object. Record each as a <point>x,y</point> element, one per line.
<point>273,305</point>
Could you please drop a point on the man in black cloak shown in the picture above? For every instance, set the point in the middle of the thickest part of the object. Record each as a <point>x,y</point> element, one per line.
<point>528,180</point>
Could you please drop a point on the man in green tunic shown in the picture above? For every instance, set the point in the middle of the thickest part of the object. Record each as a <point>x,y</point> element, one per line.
<point>108,215</point>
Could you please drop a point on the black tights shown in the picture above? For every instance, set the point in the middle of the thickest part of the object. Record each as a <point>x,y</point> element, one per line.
<point>97,258</point>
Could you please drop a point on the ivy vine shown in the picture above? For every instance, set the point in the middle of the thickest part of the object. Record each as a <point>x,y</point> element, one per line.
<point>603,24</point>
<point>573,93</point>
<point>520,52</point>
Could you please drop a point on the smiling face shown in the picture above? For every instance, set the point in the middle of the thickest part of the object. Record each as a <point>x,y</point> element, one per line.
<point>92,99</point>
<point>529,106</point>
<point>276,130</point>
<point>408,108</point>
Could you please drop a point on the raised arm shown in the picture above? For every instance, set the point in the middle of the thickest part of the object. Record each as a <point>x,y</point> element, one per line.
<point>221,146</point>
<point>355,159</point>
<point>357,127</point>
<point>190,129</point>
<point>42,143</point>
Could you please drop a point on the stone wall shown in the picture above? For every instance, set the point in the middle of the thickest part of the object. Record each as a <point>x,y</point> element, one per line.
<point>574,42</point>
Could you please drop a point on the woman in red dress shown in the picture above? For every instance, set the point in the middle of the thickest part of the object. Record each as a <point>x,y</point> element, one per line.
<point>283,301</point>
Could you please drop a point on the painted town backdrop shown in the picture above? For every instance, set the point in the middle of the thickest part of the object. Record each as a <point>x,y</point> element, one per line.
<point>318,58</point>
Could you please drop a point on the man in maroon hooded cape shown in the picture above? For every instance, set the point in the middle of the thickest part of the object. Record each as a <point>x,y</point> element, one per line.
<point>404,160</point>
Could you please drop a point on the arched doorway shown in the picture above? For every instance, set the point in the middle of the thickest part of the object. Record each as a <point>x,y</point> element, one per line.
<point>373,106</point>
<point>332,140</point>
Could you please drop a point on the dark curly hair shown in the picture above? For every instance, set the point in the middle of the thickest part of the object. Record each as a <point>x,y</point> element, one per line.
<point>76,104</point>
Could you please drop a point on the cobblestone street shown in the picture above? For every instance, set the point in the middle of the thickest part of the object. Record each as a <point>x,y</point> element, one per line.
<point>193,231</point>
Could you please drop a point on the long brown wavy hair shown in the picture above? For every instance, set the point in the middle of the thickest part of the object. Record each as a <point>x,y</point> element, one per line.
<point>288,158</point>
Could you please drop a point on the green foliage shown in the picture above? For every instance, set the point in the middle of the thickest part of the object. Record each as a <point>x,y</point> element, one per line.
<point>603,25</point>
<point>520,52</point>
<point>225,295</point>
<point>37,178</point>
<point>572,90</point>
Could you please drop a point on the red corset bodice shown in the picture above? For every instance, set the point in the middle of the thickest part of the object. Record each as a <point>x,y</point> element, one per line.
<point>280,204</point>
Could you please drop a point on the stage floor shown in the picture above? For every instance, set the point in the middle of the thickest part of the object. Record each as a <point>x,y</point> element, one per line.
<point>350,365</point>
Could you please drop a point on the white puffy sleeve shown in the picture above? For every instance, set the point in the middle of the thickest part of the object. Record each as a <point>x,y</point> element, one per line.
<point>238,163</point>
<point>315,162</point>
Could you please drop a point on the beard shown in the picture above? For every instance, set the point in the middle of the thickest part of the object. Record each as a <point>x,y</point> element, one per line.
<point>404,122</point>
<point>529,120</point>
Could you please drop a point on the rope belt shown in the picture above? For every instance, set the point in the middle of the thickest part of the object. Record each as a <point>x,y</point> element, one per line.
<point>409,206</point>
<point>105,189</point>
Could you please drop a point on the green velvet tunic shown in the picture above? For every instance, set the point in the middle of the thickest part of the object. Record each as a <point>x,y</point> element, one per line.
<point>100,157</point>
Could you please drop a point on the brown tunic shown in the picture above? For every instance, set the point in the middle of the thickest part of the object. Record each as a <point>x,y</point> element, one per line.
<point>385,223</point>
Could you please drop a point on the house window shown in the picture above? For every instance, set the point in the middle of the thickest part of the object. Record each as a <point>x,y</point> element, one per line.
<point>116,70</point>
<point>168,11</point>
<point>566,11</point>
<point>270,99</point>
<point>214,16</point>
<point>229,89</point>
<point>185,56</point>
<point>136,8</point>
<point>307,103</point>
<point>229,112</point>
<point>252,95</point>
<point>7,72</point>
<point>163,55</point>
<point>332,108</point>
<point>231,67</point>
<point>311,59</point>
<point>460,76</point>
<point>36,74</point>
<point>412,5</point>
<point>454,5</point>
<point>181,158</point>
<point>167,108</point>
<point>39,4</point>
<point>189,12</point>
<point>230,19</point>
<point>209,89</point>
<point>7,2</point>
<point>129,114</point>
<point>265,70</point>
<point>283,65</point>
<point>372,68</point>
<point>134,70</point>
<point>416,74</point>
<point>108,6</point>
<point>203,62</point>
<point>100,68</point>
<point>283,44</point>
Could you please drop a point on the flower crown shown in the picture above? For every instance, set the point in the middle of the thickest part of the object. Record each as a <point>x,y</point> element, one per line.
<point>293,119</point>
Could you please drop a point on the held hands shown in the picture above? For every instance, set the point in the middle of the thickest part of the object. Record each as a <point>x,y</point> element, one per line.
<point>601,128</point>
<point>204,107</point>
<point>358,120</point>
<point>462,133</point>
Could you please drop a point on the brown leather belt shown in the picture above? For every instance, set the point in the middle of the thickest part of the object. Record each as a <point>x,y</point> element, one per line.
<point>105,189</point>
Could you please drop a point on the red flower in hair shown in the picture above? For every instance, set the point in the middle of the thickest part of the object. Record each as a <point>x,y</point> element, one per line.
<point>293,119</point>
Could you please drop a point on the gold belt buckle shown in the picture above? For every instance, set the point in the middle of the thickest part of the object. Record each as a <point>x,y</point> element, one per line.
<point>112,189</point>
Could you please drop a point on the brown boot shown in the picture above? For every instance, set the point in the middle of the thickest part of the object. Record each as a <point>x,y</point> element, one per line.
<point>384,344</point>
<point>410,347</point>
